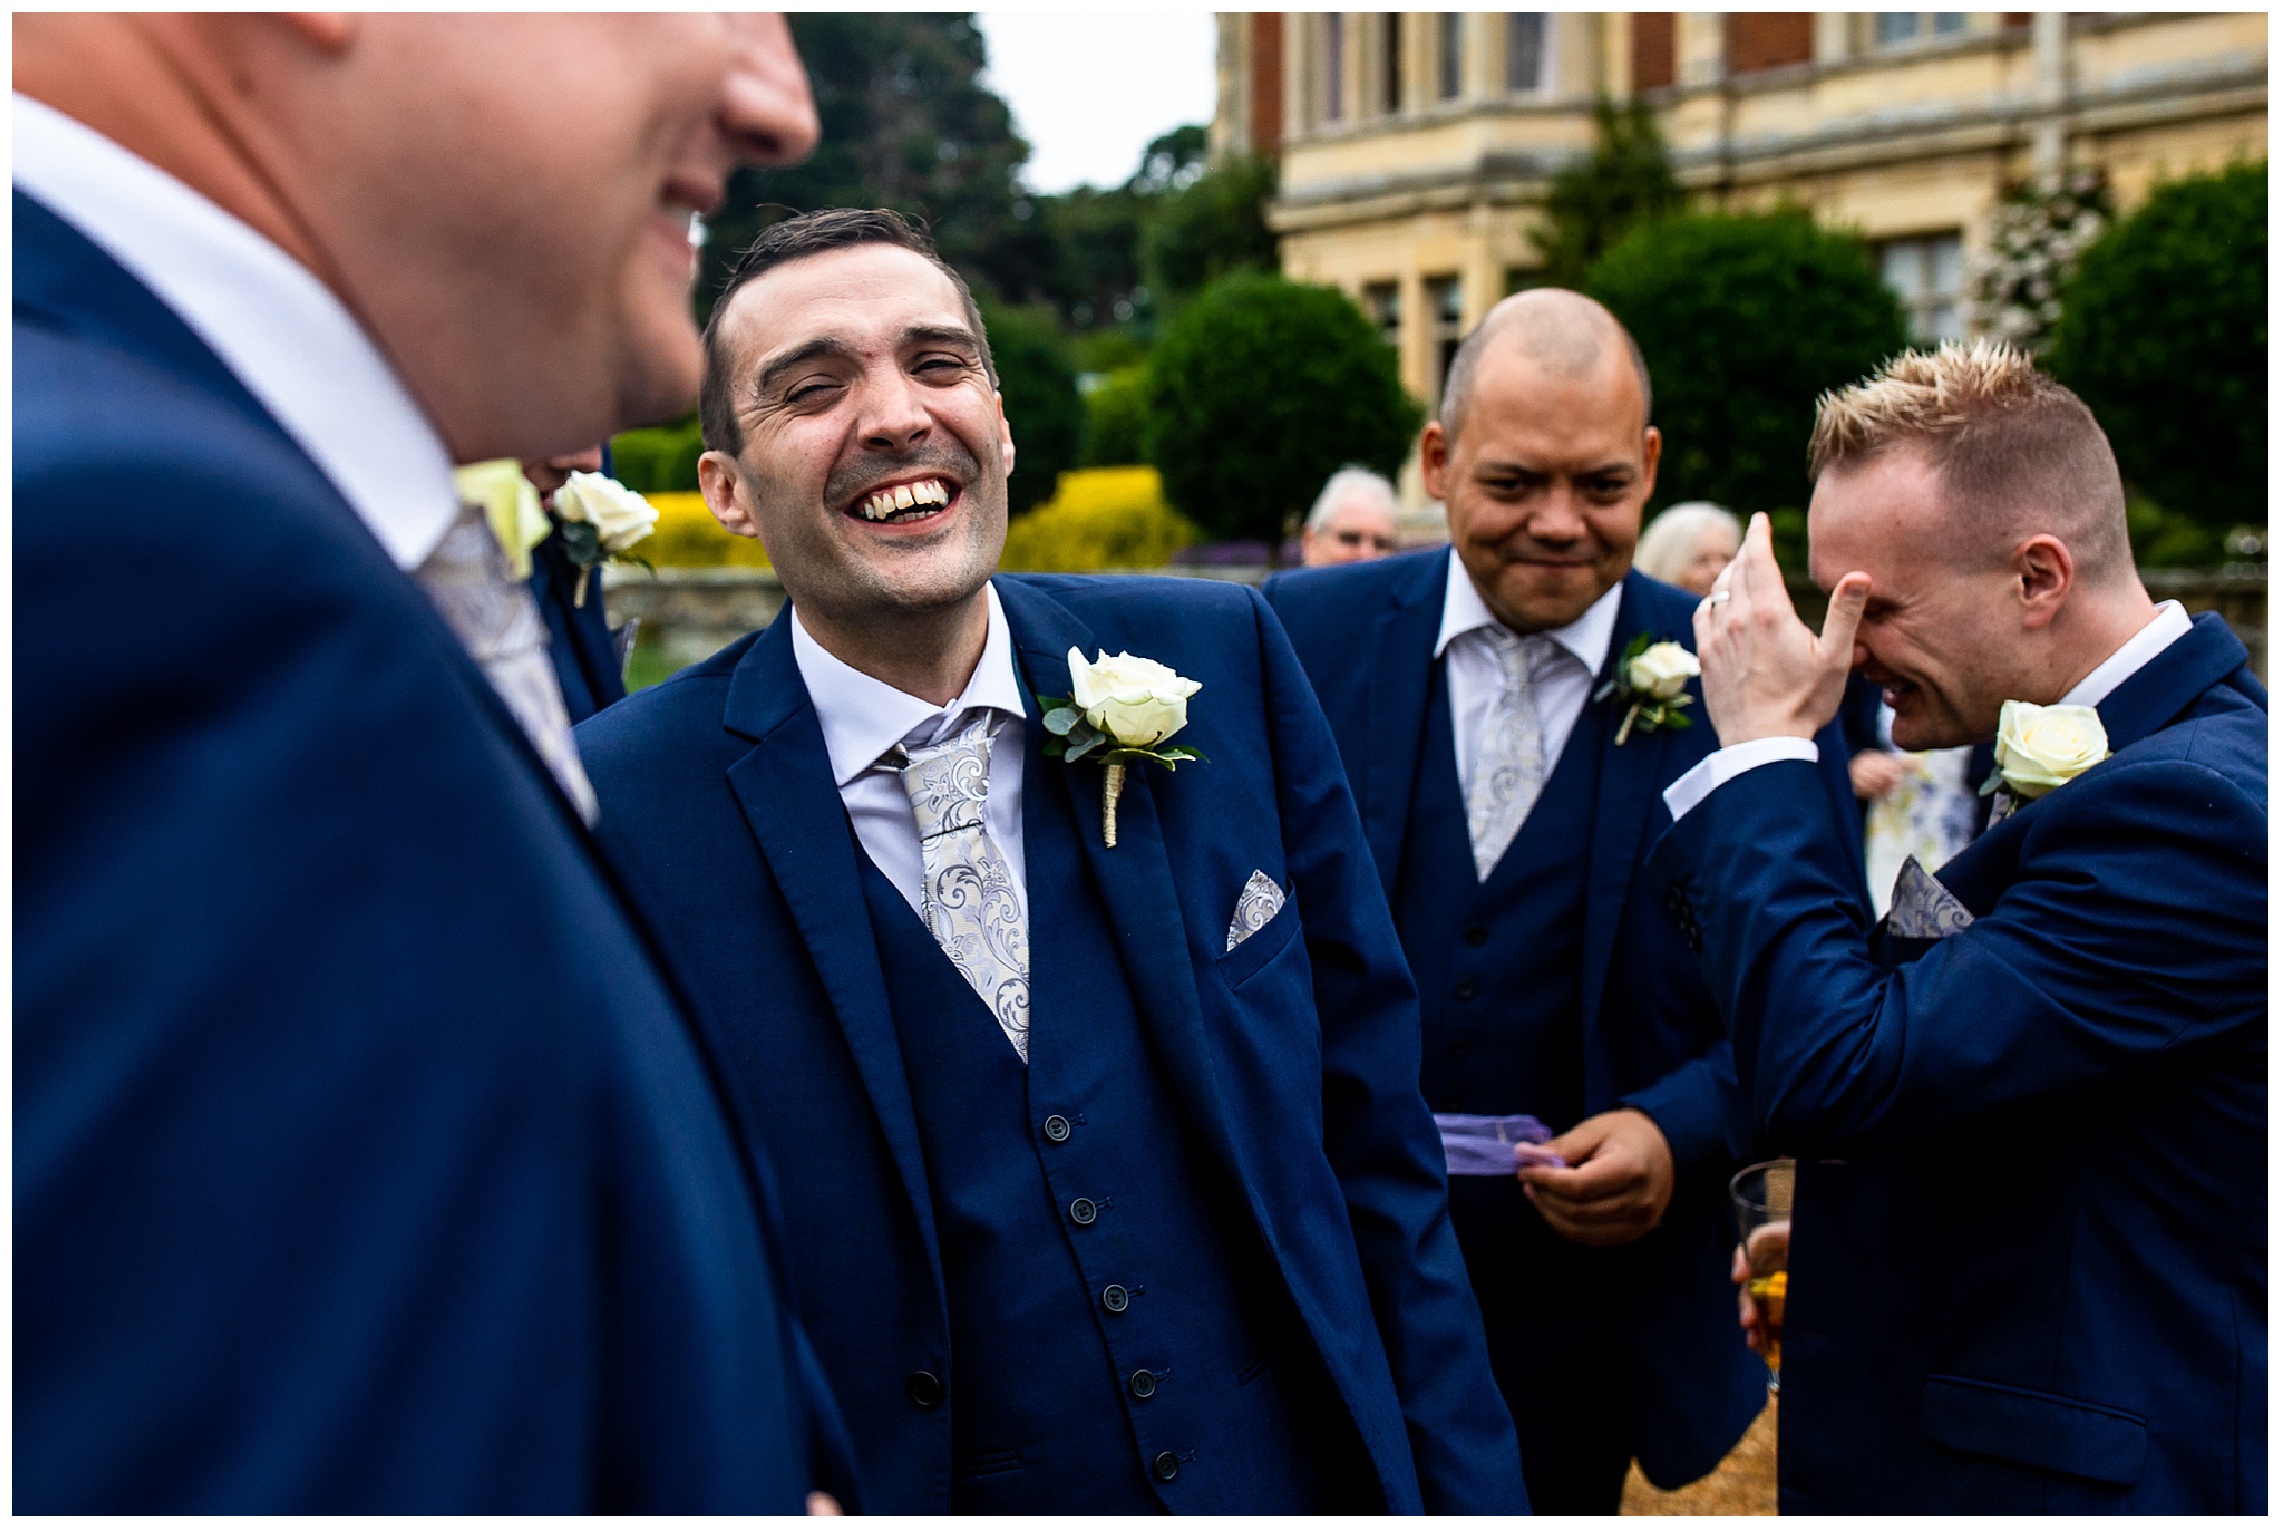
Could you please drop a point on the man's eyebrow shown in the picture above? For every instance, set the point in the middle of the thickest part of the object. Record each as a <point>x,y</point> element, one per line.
<point>798,356</point>
<point>941,334</point>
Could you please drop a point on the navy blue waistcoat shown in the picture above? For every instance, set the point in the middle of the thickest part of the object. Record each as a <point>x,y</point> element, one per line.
<point>1499,963</point>
<point>1119,1340</point>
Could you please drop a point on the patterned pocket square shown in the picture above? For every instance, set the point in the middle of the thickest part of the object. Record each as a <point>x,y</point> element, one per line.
<point>1922,908</point>
<point>1255,908</point>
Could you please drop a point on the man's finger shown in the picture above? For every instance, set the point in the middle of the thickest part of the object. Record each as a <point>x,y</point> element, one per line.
<point>1843,619</point>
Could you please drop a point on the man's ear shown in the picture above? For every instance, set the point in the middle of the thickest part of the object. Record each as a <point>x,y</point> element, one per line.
<point>1433,460</point>
<point>1650,458</point>
<point>1005,434</point>
<point>720,481</point>
<point>326,31</point>
<point>2044,569</point>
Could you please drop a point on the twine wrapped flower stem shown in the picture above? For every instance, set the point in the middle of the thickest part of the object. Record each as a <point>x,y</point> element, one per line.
<point>1120,712</point>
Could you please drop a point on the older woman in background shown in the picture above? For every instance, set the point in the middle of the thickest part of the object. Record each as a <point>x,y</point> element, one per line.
<point>1689,545</point>
<point>1352,520</point>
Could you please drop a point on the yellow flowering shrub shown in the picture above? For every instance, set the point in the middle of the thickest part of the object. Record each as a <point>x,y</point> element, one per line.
<point>1099,517</point>
<point>687,536</point>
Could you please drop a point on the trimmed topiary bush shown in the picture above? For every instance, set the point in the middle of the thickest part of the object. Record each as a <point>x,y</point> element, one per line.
<point>1258,392</point>
<point>1039,387</point>
<point>1744,321</point>
<point>2162,332</point>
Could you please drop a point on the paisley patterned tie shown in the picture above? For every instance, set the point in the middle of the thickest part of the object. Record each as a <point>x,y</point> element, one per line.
<point>970,903</point>
<point>497,621</point>
<point>1509,773</point>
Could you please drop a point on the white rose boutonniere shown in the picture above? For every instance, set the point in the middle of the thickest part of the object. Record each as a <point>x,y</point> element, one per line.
<point>1651,678</point>
<point>1120,711</point>
<point>601,520</point>
<point>509,503</point>
<point>2040,748</point>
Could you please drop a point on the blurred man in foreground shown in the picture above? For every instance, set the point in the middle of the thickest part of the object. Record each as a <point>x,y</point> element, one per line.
<point>2029,1106</point>
<point>367,1156</point>
<point>1353,520</point>
<point>1109,1184</point>
<point>1508,710</point>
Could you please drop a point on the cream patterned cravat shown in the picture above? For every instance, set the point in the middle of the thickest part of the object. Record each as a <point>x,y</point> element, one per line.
<point>498,622</point>
<point>969,901</point>
<point>1509,772</point>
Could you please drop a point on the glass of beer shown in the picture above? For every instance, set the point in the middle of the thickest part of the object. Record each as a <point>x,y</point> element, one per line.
<point>1761,1195</point>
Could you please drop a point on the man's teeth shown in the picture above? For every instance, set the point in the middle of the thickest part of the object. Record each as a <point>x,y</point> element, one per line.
<point>888,502</point>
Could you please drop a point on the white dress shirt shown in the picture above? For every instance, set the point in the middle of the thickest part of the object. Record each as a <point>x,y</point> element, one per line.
<point>863,717</point>
<point>277,327</point>
<point>1476,673</point>
<point>1688,791</point>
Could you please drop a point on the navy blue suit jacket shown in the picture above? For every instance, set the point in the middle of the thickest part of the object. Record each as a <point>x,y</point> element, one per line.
<point>2027,1268</point>
<point>1652,1037</point>
<point>579,638</point>
<point>365,1156</point>
<point>1293,1056</point>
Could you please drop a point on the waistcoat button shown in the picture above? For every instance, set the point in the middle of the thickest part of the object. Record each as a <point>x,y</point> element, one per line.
<point>1476,937</point>
<point>1083,1211</point>
<point>1056,1128</point>
<point>1465,990</point>
<point>925,1390</point>
<point>1115,1298</point>
<point>1166,1467</point>
<point>1143,1383</point>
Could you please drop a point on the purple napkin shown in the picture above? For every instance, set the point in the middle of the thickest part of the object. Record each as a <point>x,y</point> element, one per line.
<point>1494,1145</point>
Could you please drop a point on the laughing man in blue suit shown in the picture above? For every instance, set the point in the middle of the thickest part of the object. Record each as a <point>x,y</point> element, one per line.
<point>367,1158</point>
<point>1554,983</point>
<point>1109,1183</point>
<point>2027,1258</point>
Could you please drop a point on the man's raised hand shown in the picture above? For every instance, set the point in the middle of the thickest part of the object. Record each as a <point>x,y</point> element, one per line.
<point>1764,673</point>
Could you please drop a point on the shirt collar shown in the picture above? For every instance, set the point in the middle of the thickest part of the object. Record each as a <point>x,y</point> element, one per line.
<point>863,717</point>
<point>2168,624</point>
<point>1588,636</point>
<point>276,326</point>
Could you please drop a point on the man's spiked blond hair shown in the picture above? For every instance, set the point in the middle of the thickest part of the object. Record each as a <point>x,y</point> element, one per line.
<point>2018,454</point>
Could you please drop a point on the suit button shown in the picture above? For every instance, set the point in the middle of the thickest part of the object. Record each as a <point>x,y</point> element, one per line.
<point>1083,1211</point>
<point>1458,1050</point>
<point>1476,937</point>
<point>1464,991</point>
<point>925,1390</point>
<point>1143,1383</point>
<point>1056,1129</point>
<point>1166,1467</point>
<point>1115,1298</point>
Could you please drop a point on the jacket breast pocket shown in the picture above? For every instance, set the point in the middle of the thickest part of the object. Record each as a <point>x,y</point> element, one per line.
<point>2030,1427</point>
<point>1247,959</point>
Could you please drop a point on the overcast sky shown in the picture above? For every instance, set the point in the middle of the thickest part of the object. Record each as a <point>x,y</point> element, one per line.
<point>1090,88</point>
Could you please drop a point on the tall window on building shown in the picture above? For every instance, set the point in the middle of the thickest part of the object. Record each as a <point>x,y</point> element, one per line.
<point>1381,300</point>
<point>1524,34</point>
<point>1445,312</point>
<point>1926,274</point>
<point>1758,40</point>
<point>1334,67</point>
<point>1451,72</point>
<point>1654,49</point>
<point>1389,57</point>
<point>1906,26</point>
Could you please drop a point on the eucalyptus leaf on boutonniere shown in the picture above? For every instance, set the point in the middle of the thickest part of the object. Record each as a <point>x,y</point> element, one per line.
<point>1119,713</point>
<point>601,519</point>
<point>1651,678</point>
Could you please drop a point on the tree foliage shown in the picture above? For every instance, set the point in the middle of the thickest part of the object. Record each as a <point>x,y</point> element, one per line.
<point>907,125</point>
<point>1260,390</point>
<point>1592,204</point>
<point>1211,228</point>
<point>1116,419</point>
<point>2163,333</point>
<point>1039,387</point>
<point>1744,321</point>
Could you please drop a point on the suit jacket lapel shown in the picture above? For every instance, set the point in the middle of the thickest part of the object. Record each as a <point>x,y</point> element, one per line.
<point>1629,780</point>
<point>785,788</point>
<point>1400,668</point>
<point>1135,877</point>
<point>2173,680</point>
